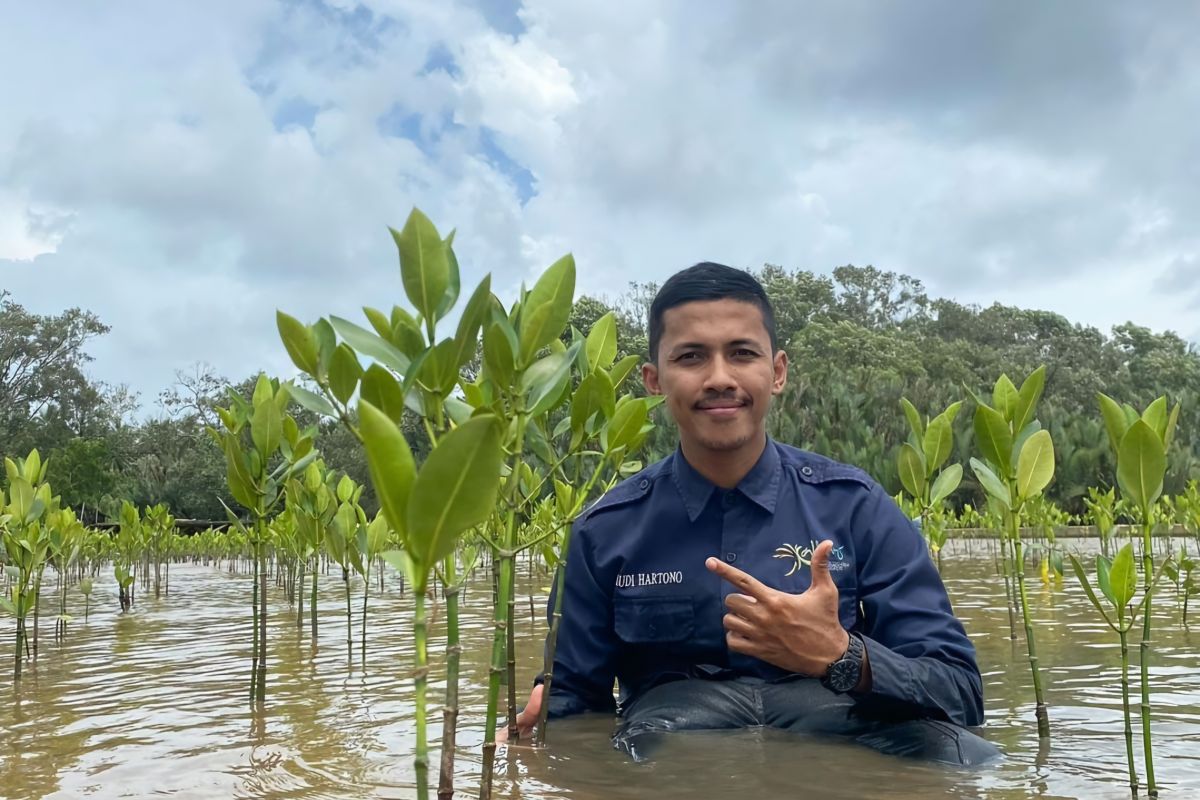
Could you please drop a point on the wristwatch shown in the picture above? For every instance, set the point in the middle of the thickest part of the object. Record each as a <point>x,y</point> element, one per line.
<point>843,675</point>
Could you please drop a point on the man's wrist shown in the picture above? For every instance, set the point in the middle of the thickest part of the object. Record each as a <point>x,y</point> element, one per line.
<point>845,674</point>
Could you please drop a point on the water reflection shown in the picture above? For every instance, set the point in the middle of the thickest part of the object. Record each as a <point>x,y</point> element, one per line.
<point>156,702</point>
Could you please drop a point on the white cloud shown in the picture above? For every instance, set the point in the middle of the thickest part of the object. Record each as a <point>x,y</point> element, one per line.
<point>184,169</point>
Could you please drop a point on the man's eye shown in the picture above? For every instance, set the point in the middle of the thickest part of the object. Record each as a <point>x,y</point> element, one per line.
<point>746,354</point>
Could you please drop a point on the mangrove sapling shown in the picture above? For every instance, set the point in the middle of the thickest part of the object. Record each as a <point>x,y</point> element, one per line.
<point>1117,580</point>
<point>1101,512</point>
<point>372,541</point>
<point>128,546</point>
<point>86,586</point>
<point>1018,465</point>
<point>66,544</point>
<point>341,541</point>
<point>255,436</point>
<point>1141,443</point>
<point>313,503</point>
<point>454,490</point>
<point>26,541</point>
<point>929,446</point>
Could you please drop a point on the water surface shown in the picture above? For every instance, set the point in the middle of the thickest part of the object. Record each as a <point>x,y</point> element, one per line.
<point>153,703</point>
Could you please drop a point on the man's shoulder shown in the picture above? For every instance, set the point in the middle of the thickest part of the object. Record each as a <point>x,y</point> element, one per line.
<point>814,468</point>
<point>627,494</point>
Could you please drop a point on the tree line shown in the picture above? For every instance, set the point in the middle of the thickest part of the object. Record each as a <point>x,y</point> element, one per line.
<point>857,340</point>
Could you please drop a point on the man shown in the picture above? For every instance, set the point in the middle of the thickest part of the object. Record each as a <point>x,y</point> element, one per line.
<point>742,582</point>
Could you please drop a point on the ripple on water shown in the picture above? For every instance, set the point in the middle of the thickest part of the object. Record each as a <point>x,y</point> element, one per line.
<point>155,703</point>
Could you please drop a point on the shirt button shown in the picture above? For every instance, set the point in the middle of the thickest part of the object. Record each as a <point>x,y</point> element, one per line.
<point>731,557</point>
<point>729,500</point>
<point>806,471</point>
<point>643,483</point>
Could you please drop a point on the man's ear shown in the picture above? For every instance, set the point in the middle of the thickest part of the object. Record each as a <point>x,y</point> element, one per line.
<point>781,368</point>
<point>650,378</point>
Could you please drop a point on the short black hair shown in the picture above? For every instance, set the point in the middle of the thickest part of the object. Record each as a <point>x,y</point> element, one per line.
<point>703,282</point>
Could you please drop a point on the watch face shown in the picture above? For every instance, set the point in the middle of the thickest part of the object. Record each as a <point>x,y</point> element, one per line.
<point>844,675</point>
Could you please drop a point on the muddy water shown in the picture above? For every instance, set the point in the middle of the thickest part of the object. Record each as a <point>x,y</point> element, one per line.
<point>154,704</point>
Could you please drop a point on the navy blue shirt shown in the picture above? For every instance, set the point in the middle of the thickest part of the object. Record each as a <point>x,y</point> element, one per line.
<point>640,607</point>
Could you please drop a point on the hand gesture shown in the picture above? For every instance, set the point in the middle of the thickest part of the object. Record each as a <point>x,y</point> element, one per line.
<point>796,632</point>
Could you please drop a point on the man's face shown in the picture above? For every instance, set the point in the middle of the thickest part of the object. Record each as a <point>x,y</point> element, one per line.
<point>718,373</point>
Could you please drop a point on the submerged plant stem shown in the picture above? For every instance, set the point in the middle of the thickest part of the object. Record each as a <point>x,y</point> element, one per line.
<point>421,762</point>
<point>450,710</point>
<point>1133,779</point>
<point>1043,719</point>
<point>1148,582</point>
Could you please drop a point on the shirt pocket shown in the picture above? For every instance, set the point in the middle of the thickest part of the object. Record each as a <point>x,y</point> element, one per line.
<point>644,620</point>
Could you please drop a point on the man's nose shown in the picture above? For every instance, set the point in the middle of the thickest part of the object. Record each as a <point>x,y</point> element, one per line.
<point>720,376</point>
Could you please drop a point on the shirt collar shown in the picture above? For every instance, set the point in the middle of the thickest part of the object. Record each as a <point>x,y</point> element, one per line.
<point>761,483</point>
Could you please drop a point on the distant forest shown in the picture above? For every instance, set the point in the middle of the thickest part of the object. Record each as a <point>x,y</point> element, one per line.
<point>858,340</point>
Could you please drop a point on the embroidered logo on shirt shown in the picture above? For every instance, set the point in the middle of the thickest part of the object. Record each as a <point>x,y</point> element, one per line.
<point>802,557</point>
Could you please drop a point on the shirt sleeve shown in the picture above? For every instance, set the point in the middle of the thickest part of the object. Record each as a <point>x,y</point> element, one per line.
<point>919,654</point>
<point>585,651</point>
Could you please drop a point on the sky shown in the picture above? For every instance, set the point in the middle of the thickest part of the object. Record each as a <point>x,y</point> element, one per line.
<point>184,169</point>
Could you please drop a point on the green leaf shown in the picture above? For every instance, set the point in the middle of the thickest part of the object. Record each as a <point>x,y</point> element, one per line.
<point>994,438</point>
<point>1022,437</point>
<point>455,489</point>
<point>266,428</point>
<point>1004,397</point>
<point>1103,572</point>
<point>424,264</point>
<point>1028,397</point>
<point>1169,433</point>
<point>991,484</point>
<point>458,411</point>
<point>263,391</point>
<point>381,389</point>
<point>1155,416</point>
<point>1123,576</point>
<point>498,358</point>
<point>454,286</point>
<point>1081,575</point>
<point>371,344</point>
<point>400,561</point>
<point>625,425</point>
<point>602,343</point>
<point>545,311</point>
<point>938,442</point>
<point>241,485</point>
<point>390,463</point>
<point>466,338</point>
<point>344,372</point>
<point>298,341</point>
<point>914,418</point>
<point>947,481</point>
<point>543,382</point>
<point>438,372</point>
<point>621,370</point>
<point>595,393</point>
<point>1141,465</point>
<point>1114,420</point>
<point>406,333</point>
<point>313,402</point>
<point>326,339</point>
<point>1035,469</point>
<point>912,471</point>
<point>380,322</point>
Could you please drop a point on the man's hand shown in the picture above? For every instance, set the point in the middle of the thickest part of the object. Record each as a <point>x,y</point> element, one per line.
<point>796,632</point>
<point>527,719</point>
